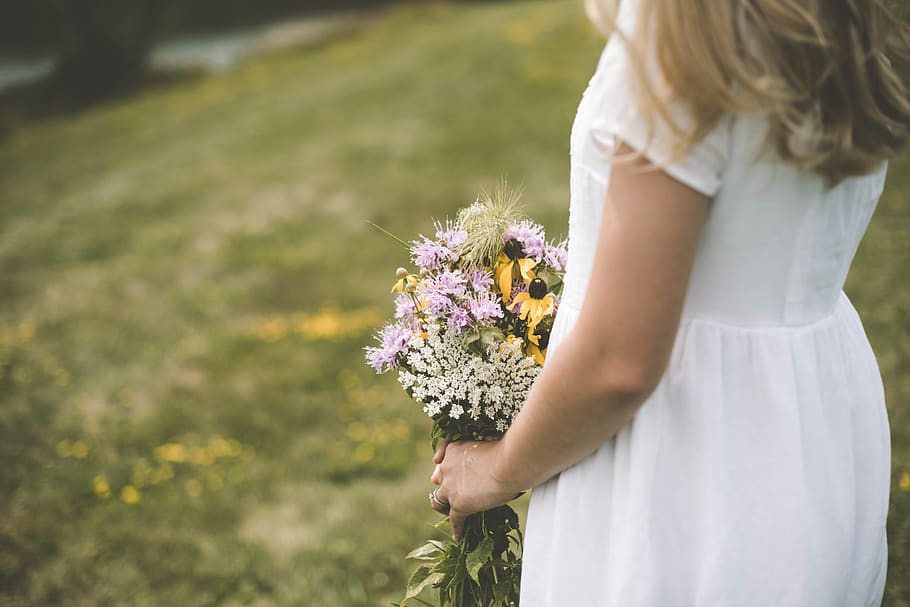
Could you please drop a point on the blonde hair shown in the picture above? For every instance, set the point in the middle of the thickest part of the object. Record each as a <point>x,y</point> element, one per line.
<point>830,77</point>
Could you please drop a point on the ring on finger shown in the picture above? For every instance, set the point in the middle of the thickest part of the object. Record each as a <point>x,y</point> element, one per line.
<point>435,499</point>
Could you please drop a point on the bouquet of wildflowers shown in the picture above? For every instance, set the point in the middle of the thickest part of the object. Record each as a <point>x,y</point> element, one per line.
<point>468,339</point>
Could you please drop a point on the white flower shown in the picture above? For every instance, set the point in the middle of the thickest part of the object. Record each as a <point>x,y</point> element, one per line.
<point>451,380</point>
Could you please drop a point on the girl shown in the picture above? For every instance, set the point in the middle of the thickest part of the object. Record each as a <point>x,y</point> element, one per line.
<point>710,427</point>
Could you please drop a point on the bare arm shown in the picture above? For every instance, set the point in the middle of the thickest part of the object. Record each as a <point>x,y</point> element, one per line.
<point>614,356</point>
<point>618,349</point>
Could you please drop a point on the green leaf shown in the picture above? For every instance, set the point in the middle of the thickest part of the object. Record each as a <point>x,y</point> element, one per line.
<point>501,590</point>
<point>420,579</point>
<point>444,526</point>
<point>491,335</point>
<point>428,552</point>
<point>553,280</point>
<point>478,557</point>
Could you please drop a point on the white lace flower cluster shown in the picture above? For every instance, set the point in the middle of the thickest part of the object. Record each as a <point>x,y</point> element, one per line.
<point>449,380</point>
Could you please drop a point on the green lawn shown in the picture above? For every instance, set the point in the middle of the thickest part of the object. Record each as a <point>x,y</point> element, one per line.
<point>187,277</point>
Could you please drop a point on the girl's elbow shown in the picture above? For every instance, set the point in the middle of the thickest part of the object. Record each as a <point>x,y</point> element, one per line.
<point>629,381</point>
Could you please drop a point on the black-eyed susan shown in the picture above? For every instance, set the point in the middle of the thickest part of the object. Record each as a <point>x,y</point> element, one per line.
<point>535,303</point>
<point>511,260</point>
<point>536,346</point>
<point>406,281</point>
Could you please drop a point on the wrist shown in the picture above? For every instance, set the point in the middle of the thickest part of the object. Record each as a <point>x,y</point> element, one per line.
<point>504,472</point>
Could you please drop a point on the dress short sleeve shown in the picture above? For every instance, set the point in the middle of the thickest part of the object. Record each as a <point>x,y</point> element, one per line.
<point>614,117</point>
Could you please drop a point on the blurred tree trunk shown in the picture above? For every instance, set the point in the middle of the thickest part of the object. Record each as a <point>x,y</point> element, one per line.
<point>106,45</point>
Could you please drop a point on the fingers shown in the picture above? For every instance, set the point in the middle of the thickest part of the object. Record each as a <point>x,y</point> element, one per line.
<point>457,521</point>
<point>438,503</point>
<point>441,451</point>
<point>436,477</point>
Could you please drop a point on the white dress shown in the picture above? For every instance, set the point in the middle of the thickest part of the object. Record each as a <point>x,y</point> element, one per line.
<point>757,474</point>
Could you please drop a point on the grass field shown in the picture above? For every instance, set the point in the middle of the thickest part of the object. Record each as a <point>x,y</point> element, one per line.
<point>187,277</point>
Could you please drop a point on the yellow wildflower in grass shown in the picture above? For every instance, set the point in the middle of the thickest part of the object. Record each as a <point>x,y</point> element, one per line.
<point>236,447</point>
<point>79,449</point>
<point>219,447</point>
<point>536,303</point>
<point>509,263</point>
<point>904,482</point>
<point>65,448</point>
<point>201,456</point>
<point>327,324</point>
<point>130,495</point>
<point>101,486</point>
<point>331,323</point>
<point>170,452</point>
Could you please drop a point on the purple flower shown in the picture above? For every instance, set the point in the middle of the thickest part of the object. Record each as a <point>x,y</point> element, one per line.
<point>556,255</point>
<point>405,306</point>
<point>458,319</point>
<point>394,340</point>
<point>435,303</point>
<point>429,255</point>
<point>530,235</point>
<point>450,282</point>
<point>449,235</point>
<point>484,307</point>
<point>480,280</point>
<point>437,292</point>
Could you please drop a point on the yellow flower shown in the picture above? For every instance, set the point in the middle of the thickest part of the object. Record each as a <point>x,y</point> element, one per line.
<point>101,486</point>
<point>904,482</point>
<point>79,449</point>
<point>406,281</point>
<point>539,356</point>
<point>535,303</point>
<point>130,495</point>
<point>505,270</point>
<point>171,452</point>
<point>534,347</point>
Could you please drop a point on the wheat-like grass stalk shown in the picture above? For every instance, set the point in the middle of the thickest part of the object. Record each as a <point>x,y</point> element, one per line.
<point>485,220</point>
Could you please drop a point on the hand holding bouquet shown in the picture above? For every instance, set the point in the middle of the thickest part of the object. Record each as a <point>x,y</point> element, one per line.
<point>469,337</point>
